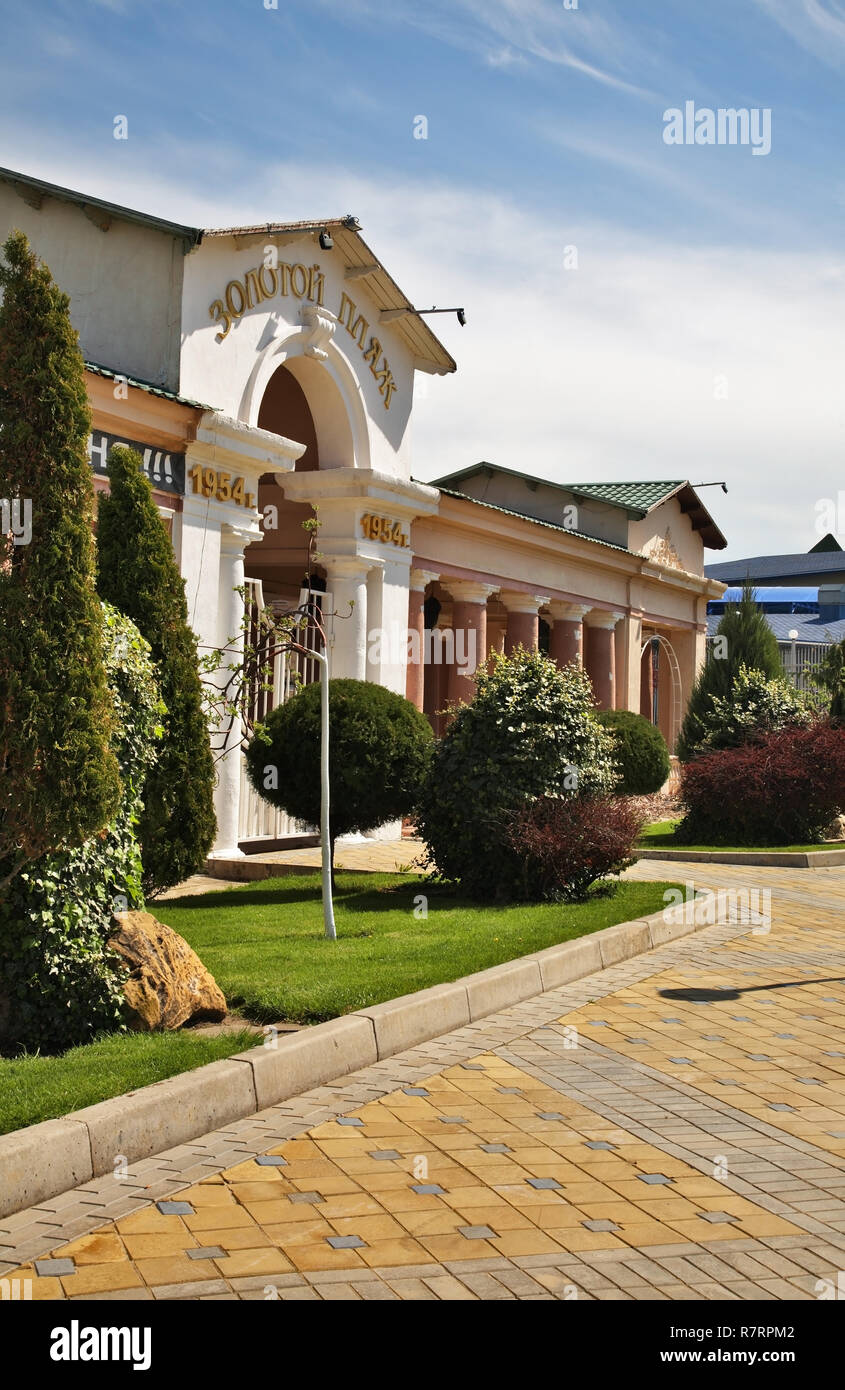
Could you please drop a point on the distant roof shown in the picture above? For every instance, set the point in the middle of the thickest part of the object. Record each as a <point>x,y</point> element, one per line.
<point>784,593</point>
<point>425,346</point>
<point>828,542</point>
<point>636,498</point>
<point>768,567</point>
<point>147,386</point>
<point>809,627</point>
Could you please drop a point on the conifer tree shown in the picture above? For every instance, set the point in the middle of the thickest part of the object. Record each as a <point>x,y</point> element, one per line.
<point>59,778</point>
<point>743,638</point>
<point>137,572</point>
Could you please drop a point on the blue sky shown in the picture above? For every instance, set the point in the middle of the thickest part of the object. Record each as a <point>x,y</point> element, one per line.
<point>701,334</point>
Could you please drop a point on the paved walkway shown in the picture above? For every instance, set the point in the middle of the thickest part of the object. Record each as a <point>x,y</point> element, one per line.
<point>670,1128</point>
<point>372,856</point>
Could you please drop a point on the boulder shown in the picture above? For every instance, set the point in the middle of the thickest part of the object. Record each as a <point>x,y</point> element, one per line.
<point>836,829</point>
<point>167,985</point>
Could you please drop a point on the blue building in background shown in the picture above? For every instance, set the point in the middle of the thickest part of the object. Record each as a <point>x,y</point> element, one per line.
<point>802,597</point>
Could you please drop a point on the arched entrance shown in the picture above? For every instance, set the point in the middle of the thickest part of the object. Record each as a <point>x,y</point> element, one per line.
<point>659,677</point>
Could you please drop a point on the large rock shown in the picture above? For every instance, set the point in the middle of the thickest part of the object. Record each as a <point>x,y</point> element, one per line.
<point>836,829</point>
<point>168,985</point>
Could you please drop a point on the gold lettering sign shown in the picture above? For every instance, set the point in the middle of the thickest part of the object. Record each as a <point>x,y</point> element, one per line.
<point>221,486</point>
<point>384,528</point>
<point>264,281</point>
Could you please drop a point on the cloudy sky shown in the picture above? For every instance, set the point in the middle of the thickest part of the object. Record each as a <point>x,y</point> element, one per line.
<point>636,309</point>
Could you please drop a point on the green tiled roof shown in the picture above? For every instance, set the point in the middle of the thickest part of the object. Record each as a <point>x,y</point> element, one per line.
<point>147,386</point>
<point>637,497</point>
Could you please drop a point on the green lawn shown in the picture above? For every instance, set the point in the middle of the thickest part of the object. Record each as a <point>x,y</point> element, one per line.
<point>264,944</point>
<point>37,1088</point>
<point>661,835</point>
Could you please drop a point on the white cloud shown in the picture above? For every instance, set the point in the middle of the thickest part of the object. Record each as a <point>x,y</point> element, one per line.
<point>816,25</point>
<point>610,371</point>
<point>600,46</point>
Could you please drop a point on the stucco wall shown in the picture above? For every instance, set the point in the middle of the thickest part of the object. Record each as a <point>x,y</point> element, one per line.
<point>548,504</point>
<point>232,373</point>
<point>125,284</point>
<point>649,536</point>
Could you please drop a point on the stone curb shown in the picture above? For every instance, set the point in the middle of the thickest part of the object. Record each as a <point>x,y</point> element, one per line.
<point>55,1156</point>
<point>785,859</point>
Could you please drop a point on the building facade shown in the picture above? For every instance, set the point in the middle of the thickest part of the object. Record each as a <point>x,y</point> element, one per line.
<point>265,371</point>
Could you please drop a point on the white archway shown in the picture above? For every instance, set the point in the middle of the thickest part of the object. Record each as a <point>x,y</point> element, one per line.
<point>331,389</point>
<point>677,685</point>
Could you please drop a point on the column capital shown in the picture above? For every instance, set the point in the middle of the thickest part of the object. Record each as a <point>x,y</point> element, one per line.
<point>467,590</point>
<point>235,539</point>
<point>347,566</point>
<point>599,617</point>
<point>517,602</point>
<point>419,579</point>
<point>563,612</point>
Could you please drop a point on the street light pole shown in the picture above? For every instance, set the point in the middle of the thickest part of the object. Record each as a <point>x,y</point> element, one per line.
<point>325,836</point>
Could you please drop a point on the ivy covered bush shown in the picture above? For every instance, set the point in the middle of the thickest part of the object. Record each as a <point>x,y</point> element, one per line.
<point>529,732</point>
<point>379,750</point>
<point>783,789</point>
<point>137,572</point>
<point>58,984</point>
<point>640,751</point>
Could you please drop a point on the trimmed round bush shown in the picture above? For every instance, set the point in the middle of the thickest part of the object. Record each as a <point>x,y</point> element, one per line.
<point>783,789</point>
<point>379,751</point>
<point>640,751</point>
<point>529,732</point>
<point>59,986</point>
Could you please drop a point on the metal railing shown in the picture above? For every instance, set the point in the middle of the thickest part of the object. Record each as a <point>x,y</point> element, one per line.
<point>257,819</point>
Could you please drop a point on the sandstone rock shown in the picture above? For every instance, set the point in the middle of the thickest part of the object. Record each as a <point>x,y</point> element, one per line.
<point>836,829</point>
<point>168,985</point>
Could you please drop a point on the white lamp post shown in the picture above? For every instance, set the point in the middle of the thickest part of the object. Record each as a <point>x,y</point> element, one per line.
<point>793,637</point>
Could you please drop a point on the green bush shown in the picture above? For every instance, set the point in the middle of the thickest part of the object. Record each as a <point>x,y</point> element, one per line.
<point>137,572</point>
<point>59,780</point>
<point>58,984</point>
<point>743,638</point>
<point>379,750</point>
<point>754,705</point>
<point>640,751</point>
<point>529,732</point>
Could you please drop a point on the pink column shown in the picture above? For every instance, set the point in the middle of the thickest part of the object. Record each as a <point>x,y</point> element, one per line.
<point>566,641</point>
<point>600,655</point>
<point>523,619</point>
<point>469,626</point>
<point>415,675</point>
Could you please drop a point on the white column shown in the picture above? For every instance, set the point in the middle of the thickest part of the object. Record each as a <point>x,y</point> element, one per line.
<point>230,607</point>
<point>346,581</point>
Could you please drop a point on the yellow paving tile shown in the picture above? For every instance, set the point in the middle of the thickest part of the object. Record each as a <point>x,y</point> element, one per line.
<point>252,1261</point>
<point>99,1248</point>
<point>157,1244</point>
<point>218,1217</point>
<point>175,1269</point>
<point>102,1278</point>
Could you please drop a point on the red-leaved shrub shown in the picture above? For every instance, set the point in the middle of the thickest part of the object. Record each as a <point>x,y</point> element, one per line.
<point>565,844</point>
<point>784,788</point>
